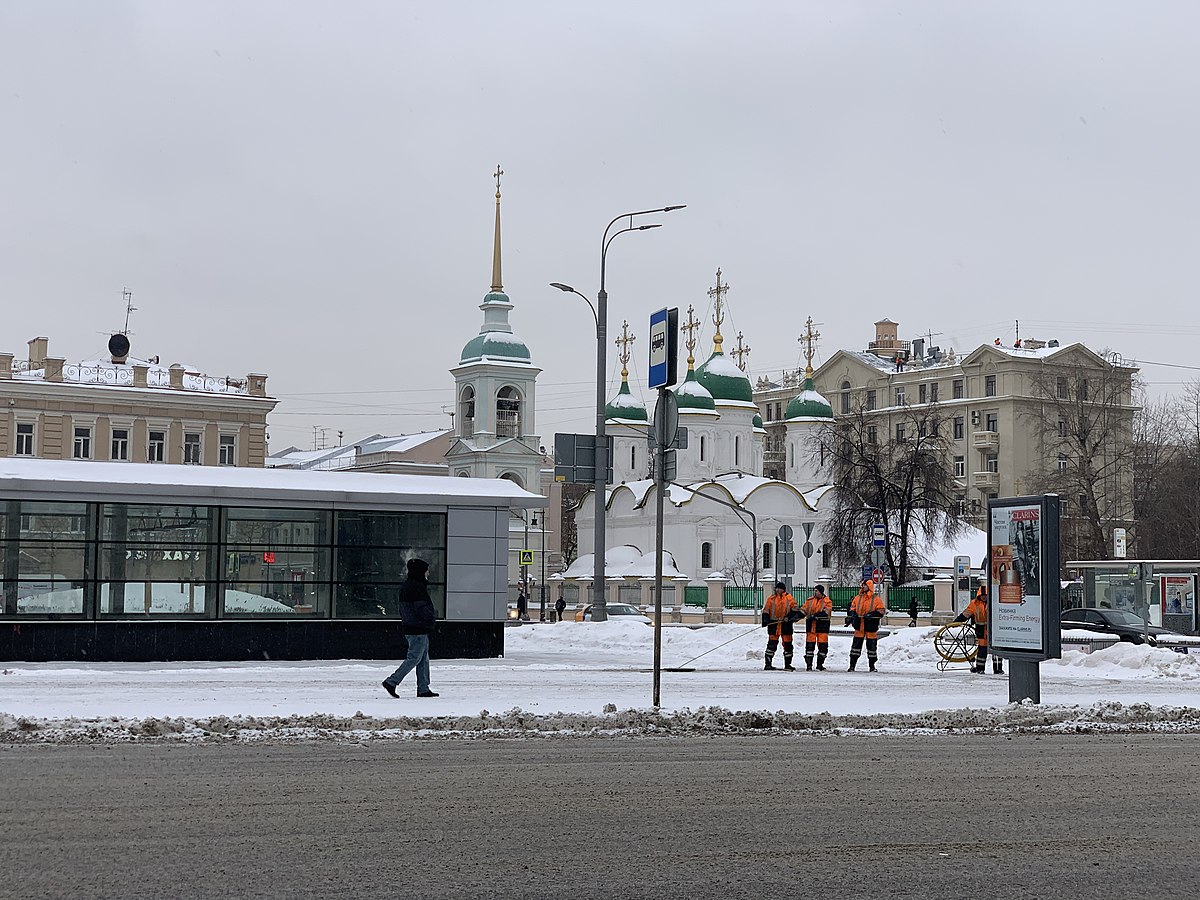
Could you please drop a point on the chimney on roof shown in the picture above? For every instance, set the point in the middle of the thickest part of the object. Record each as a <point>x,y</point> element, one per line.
<point>1033,344</point>
<point>1052,344</point>
<point>139,374</point>
<point>256,385</point>
<point>918,348</point>
<point>176,375</point>
<point>38,348</point>
<point>54,367</point>
<point>6,366</point>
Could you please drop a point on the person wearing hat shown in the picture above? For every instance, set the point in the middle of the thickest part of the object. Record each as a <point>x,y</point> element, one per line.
<point>866,612</point>
<point>818,612</point>
<point>779,612</point>
<point>419,617</point>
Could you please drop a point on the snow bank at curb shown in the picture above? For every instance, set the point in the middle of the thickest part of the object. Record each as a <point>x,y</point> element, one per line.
<point>1014,718</point>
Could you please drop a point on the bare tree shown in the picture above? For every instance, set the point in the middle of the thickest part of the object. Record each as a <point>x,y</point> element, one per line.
<point>1166,487</point>
<point>740,570</point>
<point>1084,412</point>
<point>895,470</point>
<point>572,497</point>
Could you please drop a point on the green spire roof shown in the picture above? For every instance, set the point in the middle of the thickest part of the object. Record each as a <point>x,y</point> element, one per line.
<point>724,380</point>
<point>693,395</point>
<point>757,421</point>
<point>808,404</point>
<point>626,406</point>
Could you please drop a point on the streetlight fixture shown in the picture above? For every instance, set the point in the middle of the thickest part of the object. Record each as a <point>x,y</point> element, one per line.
<point>600,314</point>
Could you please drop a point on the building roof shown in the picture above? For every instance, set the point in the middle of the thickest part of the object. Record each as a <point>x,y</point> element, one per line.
<point>200,485</point>
<point>692,395</point>
<point>809,404</point>
<point>106,373</point>
<point>344,457</point>
<point>724,380</point>
<point>626,407</point>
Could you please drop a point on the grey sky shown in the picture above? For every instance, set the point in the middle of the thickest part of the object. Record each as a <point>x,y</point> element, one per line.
<point>304,189</point>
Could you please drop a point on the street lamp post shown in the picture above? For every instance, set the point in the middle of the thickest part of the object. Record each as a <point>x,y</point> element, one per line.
<point>600,313</point>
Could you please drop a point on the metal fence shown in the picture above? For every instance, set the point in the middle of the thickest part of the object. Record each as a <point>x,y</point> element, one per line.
<point>695,596</point>
<point>899,598</point>
<point>743,597</point>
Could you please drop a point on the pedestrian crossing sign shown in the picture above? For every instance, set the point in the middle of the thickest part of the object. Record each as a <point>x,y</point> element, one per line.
<point>527,557</point>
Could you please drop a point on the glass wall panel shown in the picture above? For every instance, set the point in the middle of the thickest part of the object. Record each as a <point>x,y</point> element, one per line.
<point>44,560</point>
<point>154,524</point>
<point>370,601</point>
<point>277,527</point>
<point>262,581</point>
<point>296,598</point>
<point>165,598</point>
<point>156,559</point>
<point>62,597</point>
<point>50,521</point>
<point>372,554</point>
<point>368,529</point>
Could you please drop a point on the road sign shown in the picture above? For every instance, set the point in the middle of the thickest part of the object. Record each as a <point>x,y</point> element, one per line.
<point>785,532</point>
<point>664,347</point>
<point>877,576</point>
<point>666,419</point>
<point>1119,543</point>
<point>527,557</point>
<point>575,458</point>
<point>808,527</point>
<point>785,562</point>
<point>807,549</point>
<point>670,466</point>
<point>878,535</point>
<point>867,571</point>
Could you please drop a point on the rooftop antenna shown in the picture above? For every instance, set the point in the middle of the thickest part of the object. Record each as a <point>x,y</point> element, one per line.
<point>127,296</point>
<point>449,412</point>
<point>930,335</point>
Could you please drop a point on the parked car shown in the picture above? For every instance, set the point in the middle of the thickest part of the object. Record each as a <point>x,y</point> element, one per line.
<point>1120,623</point>
<point>624,610</point>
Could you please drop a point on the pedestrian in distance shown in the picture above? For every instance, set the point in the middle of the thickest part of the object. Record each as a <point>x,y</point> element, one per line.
<point>977,613</point>
<point>522,606</point>
<point>818,615</point>
<point>560,606</point>
<point>419,618</point>
<point>912,611</point>
<point>779,613</point>
<point>866,612</point>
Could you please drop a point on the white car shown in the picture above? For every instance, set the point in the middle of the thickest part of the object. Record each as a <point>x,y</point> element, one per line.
<point>624,610</point>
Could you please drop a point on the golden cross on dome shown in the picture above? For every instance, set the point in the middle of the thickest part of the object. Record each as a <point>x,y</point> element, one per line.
<point>499,172</point>
<point>809,339</point>
<point>741,352</point>
<point>623,354</point>
<point>718,296</point>
<point>690,327</point>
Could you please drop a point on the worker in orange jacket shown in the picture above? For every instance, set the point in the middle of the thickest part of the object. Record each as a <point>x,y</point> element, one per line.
<point>818,612</point>
<point>779,612</point>
<point>977,612</point>
<point>866,612</point>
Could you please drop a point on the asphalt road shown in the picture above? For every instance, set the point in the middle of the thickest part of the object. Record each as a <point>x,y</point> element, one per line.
<point>796,817</point>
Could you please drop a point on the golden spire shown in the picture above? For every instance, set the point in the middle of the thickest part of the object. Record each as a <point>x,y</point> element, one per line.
<point>690,327</point>
<point>718,295</point>
<point>741,352</point>
<point>497,281</point>
<point>809,339</point>
<point>623,354</point>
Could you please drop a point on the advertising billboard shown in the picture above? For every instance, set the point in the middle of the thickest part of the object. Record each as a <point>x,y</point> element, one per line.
<point>1023,577</point>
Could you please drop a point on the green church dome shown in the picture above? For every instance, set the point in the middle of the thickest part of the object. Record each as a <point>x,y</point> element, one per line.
<point>808,404</point>
<point>757,421</point>
<point>724,380</point>
<point>626,406</point>
<point>500,345</point>
<point>693,395</point>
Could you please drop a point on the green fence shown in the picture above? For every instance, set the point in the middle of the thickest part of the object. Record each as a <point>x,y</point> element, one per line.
<point>743,597</point>
<point>899,598</point>
<point>695,596</point>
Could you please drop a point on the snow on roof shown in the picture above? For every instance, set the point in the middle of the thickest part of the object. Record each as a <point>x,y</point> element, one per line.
<point>155,482</point>
<point>105,372</point>
<point>625,561</point>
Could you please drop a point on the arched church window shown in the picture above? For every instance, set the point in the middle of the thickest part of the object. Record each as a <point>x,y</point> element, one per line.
<point>633,457</point>
<point>466,411</point>
<point>702,448</point>
<point>706,555</point>
<point>508,412</point>
<point>514,478</point>
<point>792,450</point>
<point>845,396</point>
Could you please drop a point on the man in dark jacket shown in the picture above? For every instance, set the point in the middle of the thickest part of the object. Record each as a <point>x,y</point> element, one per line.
<point>419,617</point>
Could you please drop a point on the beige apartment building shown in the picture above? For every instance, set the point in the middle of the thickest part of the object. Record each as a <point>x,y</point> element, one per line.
<point>124,409</point>
<point>1009,412</point>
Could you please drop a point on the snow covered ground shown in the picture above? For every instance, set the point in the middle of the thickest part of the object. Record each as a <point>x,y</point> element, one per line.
<point>590,677</point>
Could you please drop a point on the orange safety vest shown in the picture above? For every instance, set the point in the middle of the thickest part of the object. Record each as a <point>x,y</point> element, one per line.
<point>977,611</point>
<point>867,604</point>
<point>777,606</point>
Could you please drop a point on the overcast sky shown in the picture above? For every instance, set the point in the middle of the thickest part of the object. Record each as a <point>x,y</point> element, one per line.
<point>305,189</point>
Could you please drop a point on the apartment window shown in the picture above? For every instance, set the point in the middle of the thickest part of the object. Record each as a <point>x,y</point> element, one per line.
<point>1062,427</point>
<point>993,463</point>
<point>706,555</point>
<point>993,422</point>
<point>24,445</point>
<point>933,392</point>
<point>871,400</point>
<point>901,431</point>
<point>83,442</point>
<point>959,389</point>
<point>922,428</point>
<point>960,467</point>
<point>845,396</point>
<point>900,395</point>
<point>1083,389</point>
<point>766,557</point>
<point>959,428</point>
<point>989,386</point>
<point>1060,388</point>
<point>120,444</point>
<point>227,450</point>
<point>922,393</point>
<point>156,446</point>
<point>191,448</point>
<point>935,427</point>
<point>1062,463</point>
<point>872,434</point>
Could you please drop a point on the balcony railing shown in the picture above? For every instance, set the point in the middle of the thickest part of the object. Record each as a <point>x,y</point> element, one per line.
<point>985,479</point>
<point>985,440</point>
<point>893,344</point>
<point>508,423</point>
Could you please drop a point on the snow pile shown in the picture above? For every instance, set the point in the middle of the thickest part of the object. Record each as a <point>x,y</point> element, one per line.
<point>1124,660</point>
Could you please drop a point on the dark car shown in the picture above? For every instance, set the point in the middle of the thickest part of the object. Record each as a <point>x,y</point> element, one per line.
<point>1119,623</point>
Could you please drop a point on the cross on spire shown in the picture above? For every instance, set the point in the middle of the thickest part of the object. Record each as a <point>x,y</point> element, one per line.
<point>809,340</point>
<point>740,352</point>
<point>690,327</point>
<point>623,354</point>
<point>499,172</point>
<point>718,296</point>
<point>497,277</point>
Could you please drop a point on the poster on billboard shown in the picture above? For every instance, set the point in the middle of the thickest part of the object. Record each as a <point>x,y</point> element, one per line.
<point>1023,576</point>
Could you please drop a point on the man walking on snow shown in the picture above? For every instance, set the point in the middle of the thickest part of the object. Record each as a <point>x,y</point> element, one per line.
<point>419,617</point>
<point>779,612</point>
